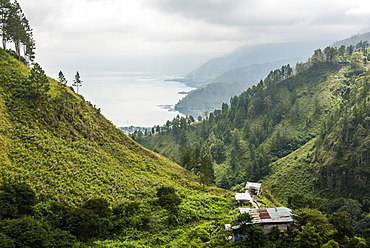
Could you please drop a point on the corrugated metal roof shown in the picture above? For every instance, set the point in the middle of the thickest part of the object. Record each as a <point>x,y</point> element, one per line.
<point>269,215</point>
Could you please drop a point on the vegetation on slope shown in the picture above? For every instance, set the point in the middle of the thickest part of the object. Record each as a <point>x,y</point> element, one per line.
<point>61,148</point>
<point>69,177</point>
<point>263,124</point>
<point>307,133</point>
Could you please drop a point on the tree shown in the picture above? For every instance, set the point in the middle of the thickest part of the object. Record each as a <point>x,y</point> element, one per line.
<point>77,82</point>
<point>342,50</point>
<point>18,30</point>
<point>315,218</point>
<point>4,13</point>
<point>224,108</point>
<point>330,53</point>
<point>168,199</point>
<point>254,237</point>
<point>61,78</point>
<point>100,206</point>
<point>308,237</point>
<point>16,199</point>
<point>37,83</point>
<point>15,28</point>
<point>187,158</point>
<point>350,49</point>
<point>206,172</point>
<point>191,120</point>
<point>331,244</point>
<point>30,232</point>
<point>318,56</point>
<point>84,224</point>
<point>342,225</point>
<point>297,201</point>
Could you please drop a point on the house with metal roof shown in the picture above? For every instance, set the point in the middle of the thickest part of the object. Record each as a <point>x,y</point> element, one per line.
<point>268,218</point>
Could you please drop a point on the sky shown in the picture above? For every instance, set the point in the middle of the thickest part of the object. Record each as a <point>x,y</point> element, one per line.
<point>177,35</point>
<point>101,38</point>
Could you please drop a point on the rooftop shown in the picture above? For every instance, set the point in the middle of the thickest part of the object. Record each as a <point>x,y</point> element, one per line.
<point>253,185</point>
<point>269,215</point>
<point>243,197</point>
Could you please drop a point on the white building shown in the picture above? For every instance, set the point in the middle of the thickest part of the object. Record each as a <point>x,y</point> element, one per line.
<point>253,188</point>
<point>243,199</point>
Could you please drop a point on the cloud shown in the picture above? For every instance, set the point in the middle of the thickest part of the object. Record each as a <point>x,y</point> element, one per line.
<point>140,30</point>
<point>264,13</point>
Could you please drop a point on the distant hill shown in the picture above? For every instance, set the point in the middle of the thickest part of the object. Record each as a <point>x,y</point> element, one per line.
<point>248,55</point>
<point>253,73</point>
<point>353,40</point>
<point>233,82</point>
<point>244,67</point>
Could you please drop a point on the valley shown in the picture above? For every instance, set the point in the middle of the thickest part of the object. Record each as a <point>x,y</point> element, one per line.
<point>283,162</point>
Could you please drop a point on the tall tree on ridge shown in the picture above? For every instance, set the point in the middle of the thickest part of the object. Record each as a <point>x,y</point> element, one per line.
<point>15,28</point>
<point>77,82</point>
<point>4,13</point>
<point>61,78</point>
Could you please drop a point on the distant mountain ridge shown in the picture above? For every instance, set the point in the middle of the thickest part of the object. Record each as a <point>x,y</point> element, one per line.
<point>248,55</point>
<point>353,40</point>
<point>253,73</point>
<point>240,69</point>
<point>246,66</point>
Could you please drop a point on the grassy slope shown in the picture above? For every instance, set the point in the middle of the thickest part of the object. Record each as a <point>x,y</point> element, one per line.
<point>68,151</point>
<point>303,171</point>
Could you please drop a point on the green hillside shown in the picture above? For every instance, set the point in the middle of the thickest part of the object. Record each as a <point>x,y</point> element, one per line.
<point>66,137</point>
<point>58,145</point>
<point>304,136</point>
<point>287,130</point>
<point>70,178</point>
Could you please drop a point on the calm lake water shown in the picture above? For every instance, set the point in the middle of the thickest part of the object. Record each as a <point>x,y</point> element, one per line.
<point>133,98</point>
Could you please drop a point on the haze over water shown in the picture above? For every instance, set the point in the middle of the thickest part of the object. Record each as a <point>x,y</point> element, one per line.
<point>132,98</point>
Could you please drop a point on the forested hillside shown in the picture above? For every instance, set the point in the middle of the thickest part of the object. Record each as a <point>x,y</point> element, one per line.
<point>304,135</point>
<point>231,83</point>
<point>300,116</point>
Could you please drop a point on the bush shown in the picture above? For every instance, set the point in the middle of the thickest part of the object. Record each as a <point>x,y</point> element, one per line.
<point>168,199</point>
<point>16,199</point>
<point>28,232</point>
<point>100,206</point>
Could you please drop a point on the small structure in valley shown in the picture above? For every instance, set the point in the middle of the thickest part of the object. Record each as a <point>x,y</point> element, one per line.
<point>243,199</point>
<point>253,188</point>
<point>268,218</point>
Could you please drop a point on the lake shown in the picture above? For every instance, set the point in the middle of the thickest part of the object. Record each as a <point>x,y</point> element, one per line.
<point>133,98</point>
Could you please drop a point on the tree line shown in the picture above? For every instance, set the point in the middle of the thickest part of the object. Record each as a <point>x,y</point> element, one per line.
<point>15,28</point>
<point>28,221</point>
<point>244,136</point>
